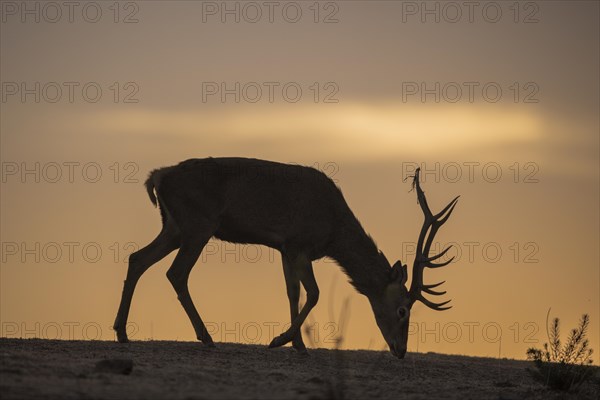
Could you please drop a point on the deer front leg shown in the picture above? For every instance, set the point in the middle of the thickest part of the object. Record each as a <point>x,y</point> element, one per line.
<point>303,268</point>
<point>292,283</point>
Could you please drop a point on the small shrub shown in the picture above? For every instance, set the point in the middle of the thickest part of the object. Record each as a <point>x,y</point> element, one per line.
<point>564,367</point>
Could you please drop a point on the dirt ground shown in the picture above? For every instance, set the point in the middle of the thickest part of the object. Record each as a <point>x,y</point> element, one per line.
<point>55,369</point>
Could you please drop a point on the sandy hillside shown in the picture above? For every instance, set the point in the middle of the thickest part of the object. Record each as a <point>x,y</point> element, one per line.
<point>32,368</point>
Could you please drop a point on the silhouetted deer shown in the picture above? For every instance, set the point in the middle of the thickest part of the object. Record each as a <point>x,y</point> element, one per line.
<point>294,209</point>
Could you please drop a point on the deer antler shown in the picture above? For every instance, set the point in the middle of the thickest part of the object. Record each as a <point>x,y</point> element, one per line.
<point>422,259</point>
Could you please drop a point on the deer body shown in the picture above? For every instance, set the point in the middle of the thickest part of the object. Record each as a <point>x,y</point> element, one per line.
<point>296,210</point>
<point>286,207</point>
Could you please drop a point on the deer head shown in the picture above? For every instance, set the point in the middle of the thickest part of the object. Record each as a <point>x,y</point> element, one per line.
<point>392,309</point>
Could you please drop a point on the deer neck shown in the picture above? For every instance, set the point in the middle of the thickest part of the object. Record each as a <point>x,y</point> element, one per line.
<point>357,254</point>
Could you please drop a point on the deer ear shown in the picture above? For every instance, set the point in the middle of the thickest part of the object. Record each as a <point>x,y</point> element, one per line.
<point>399,273</point>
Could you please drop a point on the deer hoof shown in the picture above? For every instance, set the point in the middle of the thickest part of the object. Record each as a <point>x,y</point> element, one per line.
<point>206,340</point>
<point>302,351</point>
<point>279,341</point>
<point>299,347</point>
<point>122,338</point>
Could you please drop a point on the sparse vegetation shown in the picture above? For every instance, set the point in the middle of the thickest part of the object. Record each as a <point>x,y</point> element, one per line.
<point>564,367</point>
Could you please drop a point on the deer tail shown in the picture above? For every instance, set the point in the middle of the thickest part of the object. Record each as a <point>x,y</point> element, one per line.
<point>150,187</point>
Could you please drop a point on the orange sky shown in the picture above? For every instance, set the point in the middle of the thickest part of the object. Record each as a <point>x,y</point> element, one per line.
<point>541,213</point>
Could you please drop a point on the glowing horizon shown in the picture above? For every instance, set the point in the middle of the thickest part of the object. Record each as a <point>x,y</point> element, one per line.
<point>527,171</point>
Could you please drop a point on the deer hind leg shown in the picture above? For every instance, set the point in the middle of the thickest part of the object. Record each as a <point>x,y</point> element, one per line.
<point>166,241</point>
<point>303,268</point>
<point>292,283</point>
<point>178,275</point>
